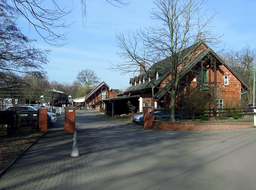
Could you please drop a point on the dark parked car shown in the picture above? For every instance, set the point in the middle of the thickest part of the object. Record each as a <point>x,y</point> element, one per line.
<point>52,118</point>
<point>160,115</point>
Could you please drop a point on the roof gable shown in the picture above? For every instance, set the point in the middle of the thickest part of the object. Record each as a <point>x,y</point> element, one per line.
<point>96,89</point>
<point>162,69</point>
<point>193,63</point>
<point>192,55</point>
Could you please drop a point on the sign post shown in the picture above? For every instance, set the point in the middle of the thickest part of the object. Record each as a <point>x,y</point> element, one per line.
<point>253,98</point>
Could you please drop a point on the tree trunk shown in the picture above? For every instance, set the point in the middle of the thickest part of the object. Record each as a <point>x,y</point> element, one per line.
<point>172,105</point>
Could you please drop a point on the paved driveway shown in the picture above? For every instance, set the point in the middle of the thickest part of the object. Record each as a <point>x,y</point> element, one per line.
<point>121,155</point>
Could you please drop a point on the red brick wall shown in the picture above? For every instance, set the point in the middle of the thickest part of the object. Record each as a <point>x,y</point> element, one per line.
<point>111,94</point>
<point>197,126</point>
<point>42,119</point>
<point>231,94</point>
<point>70,120</point>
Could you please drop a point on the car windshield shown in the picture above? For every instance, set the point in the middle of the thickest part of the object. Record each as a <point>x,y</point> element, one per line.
<point>36,107</point>
<point>24,108</point>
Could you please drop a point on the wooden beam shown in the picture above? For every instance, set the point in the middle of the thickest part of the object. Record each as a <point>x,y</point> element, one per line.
<point>215,73</point>
<point>210,72</point>
<point>202,75</point>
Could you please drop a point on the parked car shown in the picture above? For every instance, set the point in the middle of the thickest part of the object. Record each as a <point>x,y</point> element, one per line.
<point>81,107</point>
<point>250,105</point>
<point>135,118</point>
<point>160,115</point>
<point>52,117</point>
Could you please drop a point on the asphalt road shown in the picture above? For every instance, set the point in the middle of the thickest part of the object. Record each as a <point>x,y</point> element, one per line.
<point>121,155</point>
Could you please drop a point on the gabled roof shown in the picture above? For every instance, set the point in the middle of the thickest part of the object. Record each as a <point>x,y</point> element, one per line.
<point>192,63</point>
<point>95,90</point>
<point>92,91</point>
<point>162,69</point>
<point>89,90</point>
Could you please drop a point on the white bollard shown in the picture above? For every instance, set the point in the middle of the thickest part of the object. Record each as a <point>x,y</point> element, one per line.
<point>75,152</point>
<point>75,136</point>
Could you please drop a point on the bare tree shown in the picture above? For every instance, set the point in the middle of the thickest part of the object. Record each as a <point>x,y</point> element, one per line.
<point>48,17</point>
<point>88,77</point>
<point>69,89</point>
<point>181,24</point>
<point>17,55</point>
<point>243,63</point>
<point>34,88</point>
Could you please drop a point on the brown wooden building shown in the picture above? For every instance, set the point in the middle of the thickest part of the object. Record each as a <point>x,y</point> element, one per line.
<point>204,71</point>
<point>92,99</point>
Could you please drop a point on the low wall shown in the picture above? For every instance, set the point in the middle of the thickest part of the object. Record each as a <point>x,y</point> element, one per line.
<point>198,126</point>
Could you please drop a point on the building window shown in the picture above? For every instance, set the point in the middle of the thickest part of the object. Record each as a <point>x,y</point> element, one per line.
<point>157,75</point>
<point>220,104</point>
<point>202,80</point>
<point>104,95</point>
<point>226,80</point>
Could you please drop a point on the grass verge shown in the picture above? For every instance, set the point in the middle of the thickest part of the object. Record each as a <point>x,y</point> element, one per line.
<point>12,146</point>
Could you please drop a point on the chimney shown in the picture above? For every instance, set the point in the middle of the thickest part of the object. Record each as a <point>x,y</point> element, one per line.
<point>142,67</point>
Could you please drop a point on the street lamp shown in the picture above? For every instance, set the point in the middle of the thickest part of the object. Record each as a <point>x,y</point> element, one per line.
<point>52,101</point>
<point>69,99</point>
<point>42,99</point>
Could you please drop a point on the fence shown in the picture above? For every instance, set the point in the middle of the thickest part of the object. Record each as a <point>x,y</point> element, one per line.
<point>27,121</point>
<point>164,114</point>
<point>19,121</point>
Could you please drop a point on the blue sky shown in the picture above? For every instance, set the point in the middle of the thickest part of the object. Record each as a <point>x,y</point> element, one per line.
<point>93,45</point>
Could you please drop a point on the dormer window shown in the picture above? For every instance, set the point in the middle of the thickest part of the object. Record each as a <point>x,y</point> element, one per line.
<point>139,82</point>
<point>135,83</point>
<point>157,75</point>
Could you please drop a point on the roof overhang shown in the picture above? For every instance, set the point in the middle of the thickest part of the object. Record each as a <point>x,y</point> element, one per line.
<point>119,98</point>
<point>82,99</point>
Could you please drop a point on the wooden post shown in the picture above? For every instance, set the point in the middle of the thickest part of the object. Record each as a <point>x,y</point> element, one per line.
<point>202,75</point>
<point>210,73</point>
<point>215,73</point>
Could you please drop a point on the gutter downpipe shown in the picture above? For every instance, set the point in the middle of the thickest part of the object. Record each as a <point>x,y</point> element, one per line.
<point>153,92</point>
<point>153,96</point>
